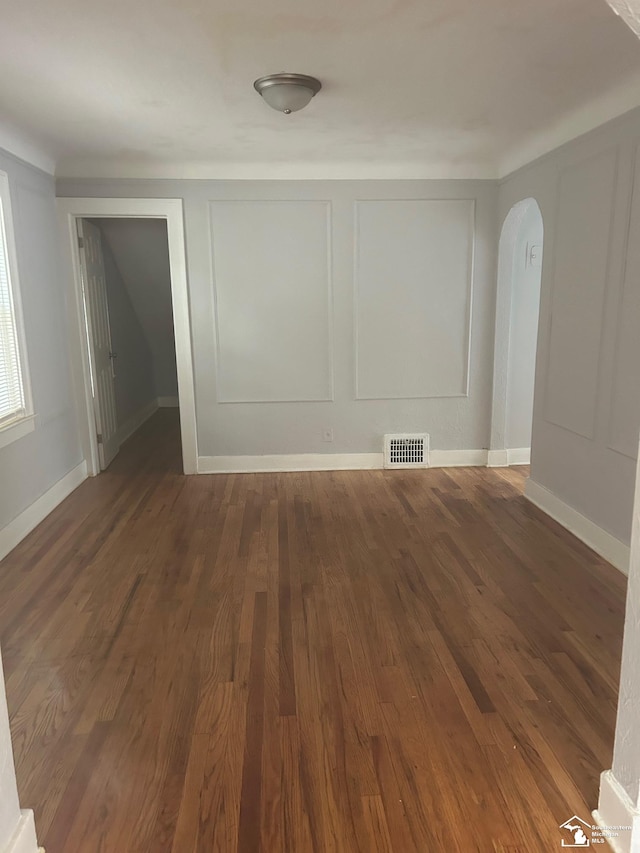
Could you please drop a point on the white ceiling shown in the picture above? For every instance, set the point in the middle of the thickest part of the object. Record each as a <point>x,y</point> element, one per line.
<point>411,88</point>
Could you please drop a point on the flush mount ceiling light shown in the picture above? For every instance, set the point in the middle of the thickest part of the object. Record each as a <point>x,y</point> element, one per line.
<point>287,92</point>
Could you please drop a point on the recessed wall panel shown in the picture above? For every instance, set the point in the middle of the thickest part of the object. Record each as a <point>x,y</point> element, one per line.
<point>413,296</point>
<point>585,208</point>
<point>271,274</point>
<point>625,401</point>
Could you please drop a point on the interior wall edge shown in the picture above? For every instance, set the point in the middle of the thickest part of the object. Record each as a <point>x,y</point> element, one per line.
<point>15,531</point>
<point>598,539</point>
<point>133,424</point>
<point>330,462</point>
<point>615,808</point>
<point>24,838</point>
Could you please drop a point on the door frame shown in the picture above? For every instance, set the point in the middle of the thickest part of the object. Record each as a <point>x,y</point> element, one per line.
<point>171,210</point>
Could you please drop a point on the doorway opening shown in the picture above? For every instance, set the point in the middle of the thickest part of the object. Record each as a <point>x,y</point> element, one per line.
<point>126,291</point>
<point>130,331</point>
<point>520,257</point>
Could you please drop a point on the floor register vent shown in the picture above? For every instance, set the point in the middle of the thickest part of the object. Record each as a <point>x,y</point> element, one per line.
<point>406,450</point>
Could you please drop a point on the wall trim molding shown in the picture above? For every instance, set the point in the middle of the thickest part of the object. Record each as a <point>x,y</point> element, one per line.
<point>457,458</point>
<point>622,292</point>
<point>328,293</point>
<point>135,421</point>
<point>23,839</point>
<point>497,458</point>
<point>23,524</point>
<point>519,456</point>
<point>611,153</point>
<point>616,809</point>
<point>602,542</point>
<point>329,462</point>
<point>509,456</point>
<point>168,402</point>
<point>289,462</point>
<point>356,296</point>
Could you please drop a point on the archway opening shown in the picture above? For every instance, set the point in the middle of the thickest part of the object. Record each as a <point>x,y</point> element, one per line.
<point>517,313</point>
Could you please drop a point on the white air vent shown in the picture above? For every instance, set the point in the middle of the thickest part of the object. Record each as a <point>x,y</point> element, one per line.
<point>406,451</point>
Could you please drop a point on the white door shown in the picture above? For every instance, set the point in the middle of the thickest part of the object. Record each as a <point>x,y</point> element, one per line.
<point>94,290</point>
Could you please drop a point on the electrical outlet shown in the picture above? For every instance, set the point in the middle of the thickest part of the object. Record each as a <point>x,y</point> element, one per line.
<point>327,434</point>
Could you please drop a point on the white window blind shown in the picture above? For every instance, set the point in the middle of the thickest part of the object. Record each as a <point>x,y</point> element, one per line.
<point>12,396</point>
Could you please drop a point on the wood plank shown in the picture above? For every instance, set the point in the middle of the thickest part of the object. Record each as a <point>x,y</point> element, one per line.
<point>388,661</point>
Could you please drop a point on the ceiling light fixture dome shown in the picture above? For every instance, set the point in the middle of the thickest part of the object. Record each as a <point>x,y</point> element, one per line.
<point>287,93</point>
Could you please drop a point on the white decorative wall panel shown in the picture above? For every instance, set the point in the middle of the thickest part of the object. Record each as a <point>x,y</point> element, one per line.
<point>414,261</point>
<point>271,270</point>
<point>583,227</point>
<point>625,401</point>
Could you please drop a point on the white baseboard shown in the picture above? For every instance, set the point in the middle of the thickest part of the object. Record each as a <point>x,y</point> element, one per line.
<point>328,462</point>
<point>510,456</point>
<point>31,517</point>
<point>519,456</point>
<point>602,542</point>
<point>135,421</point>
<point>288,462</point>
<point>457,458</point>
<point>24,838</point>
<point>497,458</point>
<point>168,403</point>
<point>616,810</point>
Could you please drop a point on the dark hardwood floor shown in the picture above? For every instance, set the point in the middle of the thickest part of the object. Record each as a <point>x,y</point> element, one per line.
<point>407,661</point>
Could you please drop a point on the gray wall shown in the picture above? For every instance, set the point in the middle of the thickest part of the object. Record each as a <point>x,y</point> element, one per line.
<point>587,399</point>
<point>587,396</point>
<point>31,465</point>
<point>134,376</point>
<point>523,329</point>
<point>286,282</point>
<point>141,251</point>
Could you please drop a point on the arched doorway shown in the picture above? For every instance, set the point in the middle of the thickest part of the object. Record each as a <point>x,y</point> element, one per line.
<point>517,312</point>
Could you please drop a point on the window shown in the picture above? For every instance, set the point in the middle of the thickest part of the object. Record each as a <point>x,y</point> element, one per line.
<point>15,403</point>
